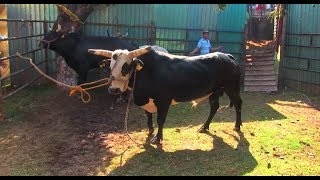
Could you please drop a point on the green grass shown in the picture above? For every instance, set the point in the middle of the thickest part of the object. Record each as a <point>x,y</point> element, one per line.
<point>280,136</point>
<point>271,143</point>
<point>25,100</point>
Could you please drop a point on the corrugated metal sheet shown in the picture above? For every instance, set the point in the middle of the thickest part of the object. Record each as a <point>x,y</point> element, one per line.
<point>124,15</point>
<point>301,63</point>
<point>42,12</point>
<point>178,26</point>
<point>233,18</point>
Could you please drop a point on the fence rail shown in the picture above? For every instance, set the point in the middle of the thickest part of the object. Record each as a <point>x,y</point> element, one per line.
<point>175,40</point>
<point>25,47</point>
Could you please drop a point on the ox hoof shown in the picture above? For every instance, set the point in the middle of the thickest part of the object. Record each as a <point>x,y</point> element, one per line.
<point>155,140</point>
<point>151,131</point>
<point>203,130</point>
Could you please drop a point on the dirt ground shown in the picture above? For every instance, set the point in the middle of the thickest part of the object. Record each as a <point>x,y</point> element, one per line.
<point>72,145</point>
<point>61,135</point>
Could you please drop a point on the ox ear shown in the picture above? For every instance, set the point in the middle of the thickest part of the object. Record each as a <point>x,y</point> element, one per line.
<point>138,63</point>
<point>105,63</point>
<point>139,52</point>
<point>101,52</point>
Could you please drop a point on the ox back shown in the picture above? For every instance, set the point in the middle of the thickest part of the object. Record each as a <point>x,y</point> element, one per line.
<point>165,79</point>
<point>184,78</point>
<point>74,49</point>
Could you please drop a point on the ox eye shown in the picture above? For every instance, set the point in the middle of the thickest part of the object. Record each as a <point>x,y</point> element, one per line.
<point>115,56</point>
<point>125,69</point>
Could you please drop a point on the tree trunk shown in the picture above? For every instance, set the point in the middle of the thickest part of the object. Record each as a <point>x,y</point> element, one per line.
<point>70,17</point>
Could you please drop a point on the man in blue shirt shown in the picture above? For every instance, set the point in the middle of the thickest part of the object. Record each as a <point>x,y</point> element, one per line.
<point>204,45</point>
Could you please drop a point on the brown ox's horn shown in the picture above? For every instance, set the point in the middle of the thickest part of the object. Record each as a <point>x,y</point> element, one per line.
<point>59,28</point>
<point>138,52</point>
<point>100,52</point>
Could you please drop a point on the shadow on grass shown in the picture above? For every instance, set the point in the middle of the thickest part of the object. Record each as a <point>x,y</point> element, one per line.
<point>255,108</point>
<point>298,97</point>
<point>221,160</point>
<point>64,136</point>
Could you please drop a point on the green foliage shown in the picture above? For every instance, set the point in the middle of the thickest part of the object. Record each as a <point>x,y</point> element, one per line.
<point>221,7</point>
<point>277,12</point>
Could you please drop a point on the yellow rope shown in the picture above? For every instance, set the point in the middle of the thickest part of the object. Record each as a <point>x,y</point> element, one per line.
<point>72,16</point>
<point>73,89</point>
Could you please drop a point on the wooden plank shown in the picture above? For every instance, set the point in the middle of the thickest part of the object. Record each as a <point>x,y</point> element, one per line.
<point>260,83</point>
<point>258,68</point>
<point>260,54</point>
<point>264,72</point>
<point>259,63</point>
<point>260,88</point>
<point>259,58</point>
<point>258,78</point>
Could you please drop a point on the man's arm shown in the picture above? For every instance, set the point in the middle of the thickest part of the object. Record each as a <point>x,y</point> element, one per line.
<point>194,51</point>
<point>215,49</point>
<point>197,49</point>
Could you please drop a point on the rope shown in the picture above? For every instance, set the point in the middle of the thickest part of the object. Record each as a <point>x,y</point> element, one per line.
<point>85,96</point>
<point>128,108</point>
<point>83,91</point>
<point>72,16</point>
<point>48,42</point>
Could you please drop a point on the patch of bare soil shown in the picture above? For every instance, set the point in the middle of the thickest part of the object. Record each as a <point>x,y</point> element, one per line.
<point>66,135</point>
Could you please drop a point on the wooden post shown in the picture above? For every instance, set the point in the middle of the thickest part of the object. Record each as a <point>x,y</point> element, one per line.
<point>282,48</point>
<point>152,33</point>
<point>45,29</point>
<point>1,104</point>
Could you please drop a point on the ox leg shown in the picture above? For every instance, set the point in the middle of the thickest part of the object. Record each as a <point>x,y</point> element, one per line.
<point>214,106</point>
<point>162,108</point>
<point>149,122</point>
<point>114,100</point>
<point>83,72</point>
<point>237,102</point>
<point>237,105</point>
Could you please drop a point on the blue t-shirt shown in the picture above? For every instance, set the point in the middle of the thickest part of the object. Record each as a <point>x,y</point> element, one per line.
<point>204,46</point>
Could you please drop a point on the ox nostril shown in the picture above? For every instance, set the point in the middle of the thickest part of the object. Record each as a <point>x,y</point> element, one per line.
<point>112,78</point>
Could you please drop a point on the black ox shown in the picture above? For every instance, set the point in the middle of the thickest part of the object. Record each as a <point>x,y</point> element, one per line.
<point>73,47</point>
<point>166,79</point>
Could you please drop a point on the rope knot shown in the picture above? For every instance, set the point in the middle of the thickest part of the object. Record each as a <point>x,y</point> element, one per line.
<point>75,89</point>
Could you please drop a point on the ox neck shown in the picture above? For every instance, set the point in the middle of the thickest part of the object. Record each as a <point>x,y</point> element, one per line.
<point>149,58</point>
<point>63,47</point>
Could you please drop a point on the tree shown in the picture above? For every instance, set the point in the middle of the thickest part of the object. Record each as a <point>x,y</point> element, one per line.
<point>72,16</point>
<point>222,7</point>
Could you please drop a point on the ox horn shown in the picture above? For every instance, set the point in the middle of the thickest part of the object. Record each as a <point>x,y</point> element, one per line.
<point>108,33</point>
<point>125,35</point>
<point>138,52</point>
<point>100,52</point>
<point>59,28</point>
